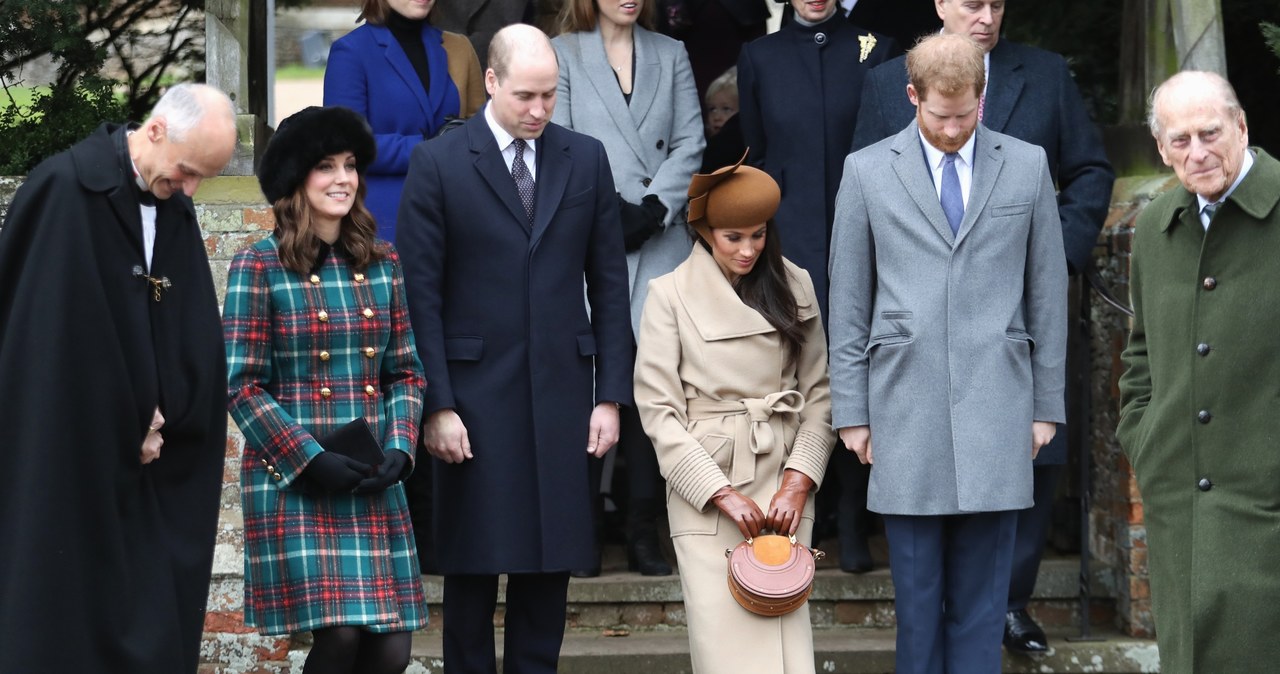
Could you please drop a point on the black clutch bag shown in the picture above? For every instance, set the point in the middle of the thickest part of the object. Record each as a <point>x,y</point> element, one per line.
<point>354,440</point>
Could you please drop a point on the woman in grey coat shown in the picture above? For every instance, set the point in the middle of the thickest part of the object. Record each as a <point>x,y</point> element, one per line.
<point>633,90</point>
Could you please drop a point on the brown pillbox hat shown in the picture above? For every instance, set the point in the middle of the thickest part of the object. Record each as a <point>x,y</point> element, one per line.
<point>732,197</point>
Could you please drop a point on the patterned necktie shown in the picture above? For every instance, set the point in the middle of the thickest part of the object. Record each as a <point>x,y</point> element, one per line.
<point>524,180</point>
<point>952,201</point>
<point>1210,210</point>
<point>982,104</point>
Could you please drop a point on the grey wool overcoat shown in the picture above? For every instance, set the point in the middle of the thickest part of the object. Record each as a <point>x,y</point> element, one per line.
<point>654,143</point>
<point>948,346</point>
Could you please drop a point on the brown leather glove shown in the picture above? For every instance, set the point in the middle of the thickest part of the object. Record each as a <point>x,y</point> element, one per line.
<point>741,510</point>
<point>787,505</point>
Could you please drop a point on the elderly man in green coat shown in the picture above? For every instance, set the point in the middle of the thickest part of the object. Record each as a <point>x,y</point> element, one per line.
<point>1202,388</point>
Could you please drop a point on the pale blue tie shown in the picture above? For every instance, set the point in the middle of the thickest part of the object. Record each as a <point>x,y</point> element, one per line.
<point>952,201</point>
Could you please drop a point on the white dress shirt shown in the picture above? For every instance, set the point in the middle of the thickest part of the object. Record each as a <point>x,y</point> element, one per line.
<point>1202,202</point>
<point>964,166</point>
<point>506,144</point>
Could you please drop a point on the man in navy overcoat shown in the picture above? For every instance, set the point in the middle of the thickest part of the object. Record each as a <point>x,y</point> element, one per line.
<point>1030,95</point>
<point>500,222</point>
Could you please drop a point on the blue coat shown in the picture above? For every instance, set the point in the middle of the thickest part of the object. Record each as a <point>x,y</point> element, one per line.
<point>507,340</point>
<point>798,99</point>
<point>1031,97</point>
<point>369,73</point>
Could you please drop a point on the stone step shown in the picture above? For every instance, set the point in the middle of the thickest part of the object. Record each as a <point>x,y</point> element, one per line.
<point>843,650</point>
<point>621,599</point>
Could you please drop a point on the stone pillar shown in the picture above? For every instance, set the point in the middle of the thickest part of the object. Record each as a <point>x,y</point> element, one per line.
<point>1198,36</point>
<point>236,61</point>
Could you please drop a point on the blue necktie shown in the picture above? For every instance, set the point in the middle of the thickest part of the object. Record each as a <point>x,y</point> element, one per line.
<point>952,202</point>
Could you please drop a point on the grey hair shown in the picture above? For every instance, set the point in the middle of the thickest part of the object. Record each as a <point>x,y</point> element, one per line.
<point>1217,84</point>
<point>185,105</point>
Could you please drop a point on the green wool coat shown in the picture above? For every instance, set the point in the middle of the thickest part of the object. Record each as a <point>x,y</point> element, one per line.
<point>1200,399</point>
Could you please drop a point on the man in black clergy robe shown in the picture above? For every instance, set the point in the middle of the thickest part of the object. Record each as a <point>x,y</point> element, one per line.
<point>113,411</point>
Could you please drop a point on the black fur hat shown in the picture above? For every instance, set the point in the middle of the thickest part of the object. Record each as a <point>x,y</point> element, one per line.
<point>304,138</point>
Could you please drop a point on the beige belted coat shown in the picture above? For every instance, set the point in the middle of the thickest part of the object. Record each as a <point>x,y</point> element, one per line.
<point>724,406</point>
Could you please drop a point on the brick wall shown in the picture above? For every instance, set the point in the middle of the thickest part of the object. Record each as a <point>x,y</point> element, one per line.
<point>232,215</point>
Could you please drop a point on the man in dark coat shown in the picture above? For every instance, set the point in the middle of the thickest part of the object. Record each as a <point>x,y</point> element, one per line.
<point>113,416</point>
<point>1198,396</point>
<point>1030,95</point>
<point>501,221</point>
<point>798,97</point>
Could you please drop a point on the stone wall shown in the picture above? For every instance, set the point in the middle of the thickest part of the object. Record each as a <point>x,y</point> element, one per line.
<point>233,215</point>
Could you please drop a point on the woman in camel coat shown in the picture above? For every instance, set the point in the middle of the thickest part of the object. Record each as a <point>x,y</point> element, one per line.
<point>731,384</point>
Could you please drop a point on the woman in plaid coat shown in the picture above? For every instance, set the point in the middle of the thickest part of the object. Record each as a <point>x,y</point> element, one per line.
<point>318,335</point>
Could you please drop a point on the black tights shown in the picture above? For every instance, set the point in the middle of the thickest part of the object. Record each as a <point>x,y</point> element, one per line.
<point>347,650</point>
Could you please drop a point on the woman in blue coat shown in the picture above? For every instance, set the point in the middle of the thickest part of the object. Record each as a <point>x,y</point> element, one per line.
<point>318,336</point>
<point>407,78</point>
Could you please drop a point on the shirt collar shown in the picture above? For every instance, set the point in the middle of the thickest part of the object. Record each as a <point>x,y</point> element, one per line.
<point>1244,168</point>
<point>500,134</point>
<point>935,156</point>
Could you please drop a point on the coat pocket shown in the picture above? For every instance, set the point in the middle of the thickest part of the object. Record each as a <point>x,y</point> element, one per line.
<point>587,345</point>
<point>890,339</point>
<point>463,348</point>
<point>1020,335</point>
<point>1010,210</point>
<point>573,201</point>
<point>720,449</point>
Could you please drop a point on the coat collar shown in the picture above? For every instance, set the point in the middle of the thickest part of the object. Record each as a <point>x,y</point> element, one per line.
<point>553,173</point>
<point>1006,83</point>
<point>1256,195</point>
<point>644,82</point>
<point>716,310</point>
<point>913,171</point>
<point>98,168</point>
<point>437,63</point>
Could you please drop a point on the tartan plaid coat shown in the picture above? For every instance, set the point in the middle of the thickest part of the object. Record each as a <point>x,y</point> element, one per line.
<point>307,354</point>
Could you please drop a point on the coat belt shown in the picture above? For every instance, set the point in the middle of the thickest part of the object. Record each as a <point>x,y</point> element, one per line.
<point>753,426</point>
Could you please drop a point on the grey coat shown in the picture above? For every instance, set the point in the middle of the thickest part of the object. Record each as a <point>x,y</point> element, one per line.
<point>947,346</point>
<point>654,144</point>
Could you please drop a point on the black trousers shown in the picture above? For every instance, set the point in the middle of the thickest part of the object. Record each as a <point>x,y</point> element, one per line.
<point>536,604</point>
<point>1032,532</point>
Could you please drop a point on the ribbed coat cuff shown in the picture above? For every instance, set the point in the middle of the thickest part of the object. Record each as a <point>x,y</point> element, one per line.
<point>696,478</point>
<point>809,454</point>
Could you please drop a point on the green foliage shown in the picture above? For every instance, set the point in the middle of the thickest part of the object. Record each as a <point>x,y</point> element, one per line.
<point>53,121</point>
<point>1271,35</point>
<point>141,43</point>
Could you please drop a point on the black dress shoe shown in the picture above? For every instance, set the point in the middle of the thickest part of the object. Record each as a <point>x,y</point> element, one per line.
<point>644,556</point>
<point>855,555</point>
<point>585,573</point>
<point>1022,634</point>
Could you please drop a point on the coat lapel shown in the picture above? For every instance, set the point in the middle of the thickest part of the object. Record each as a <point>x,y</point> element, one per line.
<point>913,171</point>
<point>987,162</point>
<point>490,165</point>
<point>596,64</point>
<point>553,175</point>
<point>644,81</point>
<point>1004,87</point>
<point>400,64</point>
<point>715,309</point>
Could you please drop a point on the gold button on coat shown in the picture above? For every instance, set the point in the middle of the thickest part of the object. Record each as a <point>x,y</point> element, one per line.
<point>324,355</point>
<point>368,313</point>
<point>369,352</point>
<point>314,278</point>
<point>326,391</point>
<point>370,390</point>
<point>323,316</point>
<point>278,477</point>
<point>359,278</point>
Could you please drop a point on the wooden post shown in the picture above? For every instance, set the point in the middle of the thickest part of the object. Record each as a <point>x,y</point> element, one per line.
<point>1198,36</point>
<point>236,61</point>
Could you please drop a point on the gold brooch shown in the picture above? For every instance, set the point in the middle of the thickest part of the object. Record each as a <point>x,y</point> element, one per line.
<point>867,42</point>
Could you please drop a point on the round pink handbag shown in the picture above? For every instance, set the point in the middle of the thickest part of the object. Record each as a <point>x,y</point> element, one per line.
<point>771,575</point>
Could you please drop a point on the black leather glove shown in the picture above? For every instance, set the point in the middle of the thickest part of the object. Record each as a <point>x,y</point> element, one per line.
<point>333,473</point>
<point>640,221</point>
<point>390,471</point>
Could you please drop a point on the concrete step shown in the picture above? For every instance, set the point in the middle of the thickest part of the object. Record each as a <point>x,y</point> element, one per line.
<point>621,599</point>
<point>843,650</point>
